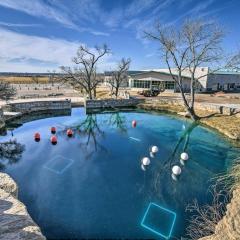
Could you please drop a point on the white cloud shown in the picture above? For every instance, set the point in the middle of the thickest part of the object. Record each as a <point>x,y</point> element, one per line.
<point>7,24</point>
<point>65,14</point>
<point>20,52</point>
<point>38,8</point>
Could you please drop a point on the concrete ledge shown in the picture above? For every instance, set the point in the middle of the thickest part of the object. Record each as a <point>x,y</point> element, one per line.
<point>31,106</point>
<point>111,103</point>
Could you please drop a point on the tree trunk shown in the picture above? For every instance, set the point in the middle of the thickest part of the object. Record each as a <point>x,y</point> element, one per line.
<point>192,114</point>
<point>189,109</point>
<point>116,93</point>
<point>90,94</point>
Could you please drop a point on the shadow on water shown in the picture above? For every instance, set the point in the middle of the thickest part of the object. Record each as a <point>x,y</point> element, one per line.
<point>37,116</point>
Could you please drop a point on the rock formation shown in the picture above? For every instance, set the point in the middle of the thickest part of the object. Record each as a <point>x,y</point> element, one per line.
<point>229,227</point>
<point>15,222</point>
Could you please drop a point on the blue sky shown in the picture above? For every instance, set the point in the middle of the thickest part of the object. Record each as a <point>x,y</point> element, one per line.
<point>41,35</point>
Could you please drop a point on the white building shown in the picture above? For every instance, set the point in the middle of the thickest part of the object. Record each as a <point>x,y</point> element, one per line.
<point>216,81</point>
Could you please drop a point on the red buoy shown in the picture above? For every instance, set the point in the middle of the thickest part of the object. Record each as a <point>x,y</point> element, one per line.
<point>69,132</point>
<point>37,137</point>
<point>134,123</point>
<point>53,140</point>
<point>53,130</point>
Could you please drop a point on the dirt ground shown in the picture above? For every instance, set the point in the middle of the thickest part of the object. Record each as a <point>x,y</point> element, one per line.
<point>43,90</point>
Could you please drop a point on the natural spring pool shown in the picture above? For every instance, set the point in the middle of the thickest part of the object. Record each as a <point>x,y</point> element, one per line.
<point>92,185</point>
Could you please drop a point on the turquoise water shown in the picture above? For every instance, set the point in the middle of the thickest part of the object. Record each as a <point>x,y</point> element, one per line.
<point>92,185</point>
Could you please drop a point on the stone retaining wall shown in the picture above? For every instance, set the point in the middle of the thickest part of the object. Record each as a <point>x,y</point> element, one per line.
<point>40,105</point>
<point>2,121</point>
<point>111,103</point>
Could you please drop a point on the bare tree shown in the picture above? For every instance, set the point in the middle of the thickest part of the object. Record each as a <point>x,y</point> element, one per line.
<point>184,49</point>
<point>84,75</point>
<point>52,77</point>
<point>7,91</point>
<point>119,76</point>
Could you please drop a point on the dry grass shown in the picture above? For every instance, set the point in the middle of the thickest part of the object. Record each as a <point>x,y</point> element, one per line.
<point>24,80</point>
<point>102,93</point>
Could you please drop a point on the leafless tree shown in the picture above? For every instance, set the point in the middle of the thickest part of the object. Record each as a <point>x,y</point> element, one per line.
<point>234,63</point>
<point>194,44</point>
<point>84,75</point>
<point>7,91</point>
<point>53,77</point>
<point>119,76</point>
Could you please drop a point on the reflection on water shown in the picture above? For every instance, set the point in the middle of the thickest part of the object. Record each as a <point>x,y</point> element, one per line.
<point>118,120</point>
<point>10,152</point>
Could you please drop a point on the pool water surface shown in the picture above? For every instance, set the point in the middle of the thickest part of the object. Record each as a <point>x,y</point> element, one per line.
<point>92,185</point>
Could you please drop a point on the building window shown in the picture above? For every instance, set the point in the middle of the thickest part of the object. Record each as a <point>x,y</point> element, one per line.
<point>169,85</point>
<point>141,84</point>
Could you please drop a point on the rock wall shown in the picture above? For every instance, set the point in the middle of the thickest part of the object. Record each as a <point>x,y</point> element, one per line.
<point>110,103</point>
<point>15,222</point>
<point>39,105</point>
<point>229,227</point>
<point>2,122</point>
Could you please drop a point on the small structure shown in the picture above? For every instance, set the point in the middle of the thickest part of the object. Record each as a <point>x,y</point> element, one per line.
<point>93,105</point>
<point>41,105</point>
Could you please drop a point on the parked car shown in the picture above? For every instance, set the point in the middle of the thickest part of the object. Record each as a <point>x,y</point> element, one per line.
<point>152,92</point>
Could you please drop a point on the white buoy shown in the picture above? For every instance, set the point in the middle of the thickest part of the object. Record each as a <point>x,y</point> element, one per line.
<point>176,170</point>
<point>146,161</point>
<point>184,156</point>
<point>154,149</point>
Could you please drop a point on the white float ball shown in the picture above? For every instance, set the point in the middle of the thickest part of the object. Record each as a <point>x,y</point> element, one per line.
<point>154,149</point>
<point>176,170</point>
<point>145,161</point>
<point>184,156</point>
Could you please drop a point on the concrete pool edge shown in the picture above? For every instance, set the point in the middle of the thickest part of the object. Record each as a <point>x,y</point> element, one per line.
<point>15,221</point>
